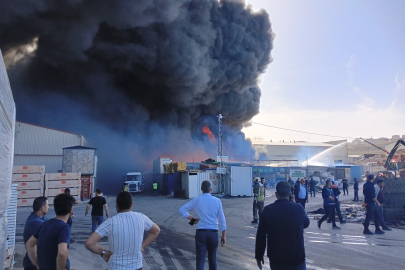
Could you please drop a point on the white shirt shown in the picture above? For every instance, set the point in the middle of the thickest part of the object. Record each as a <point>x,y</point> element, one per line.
<point>208,209</point>
<point>125,236</point>
<point>303,192</point>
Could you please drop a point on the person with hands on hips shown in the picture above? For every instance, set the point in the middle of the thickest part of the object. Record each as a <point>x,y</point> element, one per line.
<point>209,211</point>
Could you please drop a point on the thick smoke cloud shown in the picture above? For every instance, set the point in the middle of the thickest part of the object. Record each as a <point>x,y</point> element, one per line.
<point>156,69</point>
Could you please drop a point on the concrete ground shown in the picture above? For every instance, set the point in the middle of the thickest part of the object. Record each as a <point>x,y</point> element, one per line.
<point>174,248</point>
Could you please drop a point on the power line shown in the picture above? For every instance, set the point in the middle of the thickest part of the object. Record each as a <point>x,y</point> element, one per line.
<point>294,130</point>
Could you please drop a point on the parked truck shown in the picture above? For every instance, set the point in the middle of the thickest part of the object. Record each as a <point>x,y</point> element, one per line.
<point>135,182</point>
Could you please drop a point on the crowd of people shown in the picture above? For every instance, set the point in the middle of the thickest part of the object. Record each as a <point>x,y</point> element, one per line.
<point>280,225</point>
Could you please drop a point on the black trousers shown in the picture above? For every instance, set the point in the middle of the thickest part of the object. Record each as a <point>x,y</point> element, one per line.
<point>372,211</point>
<point>301,201</point>
<point>356,195</point>
<point>330,213</point>
<point>345,190</point>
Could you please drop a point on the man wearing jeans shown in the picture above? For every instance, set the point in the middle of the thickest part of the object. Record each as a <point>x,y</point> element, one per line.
<point>97,215</point>
<point>209,211</point>
<point>380,198</point>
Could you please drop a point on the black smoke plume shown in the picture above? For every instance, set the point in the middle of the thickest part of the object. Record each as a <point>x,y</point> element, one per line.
<point>138,78</point>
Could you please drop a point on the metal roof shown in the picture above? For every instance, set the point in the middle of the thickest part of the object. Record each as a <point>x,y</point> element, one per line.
<point>291,143</point>
<point>79,147</point>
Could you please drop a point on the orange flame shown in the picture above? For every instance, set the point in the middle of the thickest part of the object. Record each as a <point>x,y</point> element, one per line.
<point>209,133</point>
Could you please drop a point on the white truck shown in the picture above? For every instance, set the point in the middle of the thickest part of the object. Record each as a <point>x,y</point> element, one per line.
<point>134,180</point>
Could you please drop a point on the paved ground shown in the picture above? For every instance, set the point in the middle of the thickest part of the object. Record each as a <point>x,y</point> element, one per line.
<point>174,249</point>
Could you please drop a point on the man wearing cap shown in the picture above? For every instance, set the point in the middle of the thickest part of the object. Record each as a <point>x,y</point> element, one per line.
<point>370,200</point>
<point>380,198</point>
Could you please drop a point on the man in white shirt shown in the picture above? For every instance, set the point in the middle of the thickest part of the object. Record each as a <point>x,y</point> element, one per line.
<point>209,211</point>
<point>125,236</point>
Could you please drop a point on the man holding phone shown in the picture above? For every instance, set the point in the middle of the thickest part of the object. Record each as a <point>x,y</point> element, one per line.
<point>209,212</point>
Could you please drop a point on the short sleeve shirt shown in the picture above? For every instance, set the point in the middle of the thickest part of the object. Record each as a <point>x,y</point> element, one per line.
<point>51,233</point>
<point>97,203</point>
<point>125,236</point>
<point>32,225</point>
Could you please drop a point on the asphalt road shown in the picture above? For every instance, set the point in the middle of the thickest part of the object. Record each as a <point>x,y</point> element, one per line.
<point>174,248</point>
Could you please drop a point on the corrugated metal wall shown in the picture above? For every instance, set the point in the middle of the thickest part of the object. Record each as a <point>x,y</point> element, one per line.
<point>35,145</point>
<point>35,140</point>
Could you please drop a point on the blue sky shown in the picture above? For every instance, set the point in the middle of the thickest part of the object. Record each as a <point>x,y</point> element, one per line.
<point>338,68</point>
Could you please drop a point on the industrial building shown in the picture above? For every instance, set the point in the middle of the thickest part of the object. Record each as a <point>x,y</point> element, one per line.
<point>37,145</point>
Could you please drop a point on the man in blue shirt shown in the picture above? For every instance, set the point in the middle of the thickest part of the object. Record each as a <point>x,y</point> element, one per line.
<point>329,201</point>
<point>34,221</point>
<point>301,193</point>
<point>48,247</point>
<point>209,212</point>
<point>371,201</point>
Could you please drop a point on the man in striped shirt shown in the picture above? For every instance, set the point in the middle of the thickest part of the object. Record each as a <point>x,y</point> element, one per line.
<point>125,236</point>
<point>209,211</point>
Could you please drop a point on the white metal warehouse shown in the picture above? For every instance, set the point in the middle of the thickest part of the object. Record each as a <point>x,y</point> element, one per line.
<point>37,145</point>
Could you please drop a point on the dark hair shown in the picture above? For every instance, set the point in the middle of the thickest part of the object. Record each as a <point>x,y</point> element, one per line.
<point>206,186</point>
<point>124,200</point>
<point>327,182</point>
<point>63,203</point>
<point>283,189</point>
<point>262,178</point>
<point>67,190</point>
<point>355,178</point>
<point>380,181</point>
<point>98,191</point>
<point>370,177</point>
<point>39,202</point>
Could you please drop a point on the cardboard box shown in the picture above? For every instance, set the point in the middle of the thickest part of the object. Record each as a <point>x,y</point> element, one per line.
<point>52,192</point>
<point>63,184</point>
<point>29,169</point>
<point>32,193</point>
<point>28,177</point>
<point>25,202</point>
<point>62,176</point>
<point>29,185</point>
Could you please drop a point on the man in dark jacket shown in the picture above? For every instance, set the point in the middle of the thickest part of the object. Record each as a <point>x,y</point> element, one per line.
<point>301,193</point>
<point>345,186</point>
<point>291,182</point>
<point>329,200</point>
<point>282,225</point>
<point>336,191</point>
<point>312,186</point>
<point>371,201</point>
<point>356,190</point>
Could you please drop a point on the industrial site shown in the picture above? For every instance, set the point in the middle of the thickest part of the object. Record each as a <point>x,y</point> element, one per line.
<point>202,134</point>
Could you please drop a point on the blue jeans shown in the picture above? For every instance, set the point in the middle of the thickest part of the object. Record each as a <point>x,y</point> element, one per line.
<point>312,190</point>
<point>206,241</point>
<point>95,222</point>
<point>299,267</point>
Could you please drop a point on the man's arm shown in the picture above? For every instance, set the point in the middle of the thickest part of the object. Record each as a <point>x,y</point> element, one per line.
<point>32,250</point>
<point>92,242</point>
<point>62,256</point>
<point>261,237</point>
<point>152,235</point>
<point>87,209</point>
<point>222,223</point>
<point>106,210</point>
<point>185,208</point>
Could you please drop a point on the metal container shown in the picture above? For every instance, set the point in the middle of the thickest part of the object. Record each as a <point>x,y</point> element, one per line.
<point>238,181</point>
<point>158,167</point>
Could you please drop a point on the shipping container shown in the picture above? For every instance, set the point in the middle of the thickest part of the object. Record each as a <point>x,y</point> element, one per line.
<point>352,172</point>
<point>158,167</point>
<point>29,169</point>
<point>28,177</point>
<point>30,185</point>
<point>238,181</point>
<point>86,191</point>
<point>172,182</point>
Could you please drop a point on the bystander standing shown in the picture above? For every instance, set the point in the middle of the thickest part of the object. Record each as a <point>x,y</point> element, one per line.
<point>48,247</point>
<point>370,201</point>
<point>33,223</point>
<point>345,186</point>
<point>379,191</point>
<point>356,190</point>
<point>312,186</point>
<point>209,212</point>
<point>282,226</point>
<point>125,233</point>
<point>301,193</point>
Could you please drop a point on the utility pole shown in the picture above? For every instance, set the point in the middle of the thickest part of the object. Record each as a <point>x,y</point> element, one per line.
<point>221,185</point>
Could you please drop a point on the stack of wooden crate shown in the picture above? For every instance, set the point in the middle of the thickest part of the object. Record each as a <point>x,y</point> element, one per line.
<point>30,183</point>
<point>56,183</point>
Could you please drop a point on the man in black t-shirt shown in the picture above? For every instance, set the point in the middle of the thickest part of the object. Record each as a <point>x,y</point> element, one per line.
<point>97,215</point>
<point>345,186</point>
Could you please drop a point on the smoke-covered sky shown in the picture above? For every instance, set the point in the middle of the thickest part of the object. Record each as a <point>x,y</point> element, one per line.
<point>139,79</point>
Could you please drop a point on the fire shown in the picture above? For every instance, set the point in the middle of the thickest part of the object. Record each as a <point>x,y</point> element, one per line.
<point>206,130</point>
